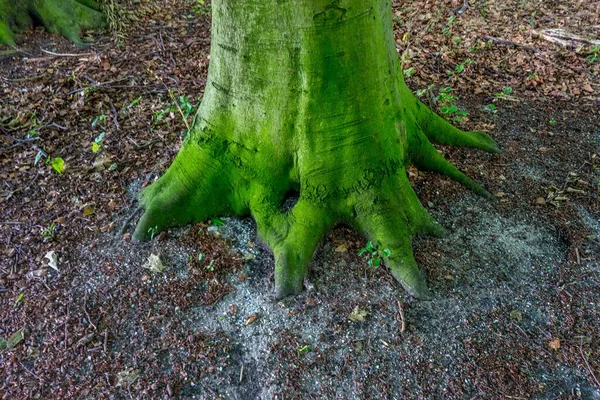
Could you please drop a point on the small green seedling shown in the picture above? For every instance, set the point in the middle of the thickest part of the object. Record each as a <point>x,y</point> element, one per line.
<point>210,266</point>
<point>57,164</point>
<point>152,231</point>
<point>49,232</point>
<point>553,122</point>
<point>594,55</point>
<point>303,349</point>
<point>373,255</point>
<point>409,72</point>
<point>99,120</point>
<point>18,299</point>
<point>97,144</point>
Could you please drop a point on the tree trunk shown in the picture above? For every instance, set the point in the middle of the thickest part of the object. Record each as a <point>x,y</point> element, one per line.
<point>64,17</point>
<point>307,96</point>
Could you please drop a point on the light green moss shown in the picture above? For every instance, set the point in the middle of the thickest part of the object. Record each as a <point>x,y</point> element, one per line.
<point>65,17</point>
<point>308,97</point>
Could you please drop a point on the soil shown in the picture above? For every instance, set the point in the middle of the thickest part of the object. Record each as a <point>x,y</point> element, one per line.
<point>516,309</point>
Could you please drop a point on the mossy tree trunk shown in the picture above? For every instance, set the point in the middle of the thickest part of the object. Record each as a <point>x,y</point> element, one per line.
<point>307,96</point>
<point>64,17</point>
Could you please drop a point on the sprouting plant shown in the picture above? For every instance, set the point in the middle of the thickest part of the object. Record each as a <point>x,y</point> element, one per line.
<point>594,55</point>
<point>201,8</point>
<point>99,120</point>
<point>372,254</point>
<point>506,94</point>
<point>492,109</point>
<point>49,232</point>
<point>447,107</point>
<point>553,122</point>
<point>57,164</point>
<point>303,349</point>
<point>409,72</point>
<point>450,23</point>
<point>152,231</point>
<point>217,222</point>
<point>210,266</point>
<point>18,299</point>
<point>97,144</point>
<point>421,92</point>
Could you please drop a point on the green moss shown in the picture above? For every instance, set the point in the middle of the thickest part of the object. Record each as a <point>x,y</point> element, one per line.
<point>308,97</point>
<point>65,17</point>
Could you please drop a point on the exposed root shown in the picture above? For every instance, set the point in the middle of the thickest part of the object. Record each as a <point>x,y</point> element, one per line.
<point>389,230</point>
<point>425,156</point>
<point>195,188</point>
<point>440,131</point>
<point>67,18</point>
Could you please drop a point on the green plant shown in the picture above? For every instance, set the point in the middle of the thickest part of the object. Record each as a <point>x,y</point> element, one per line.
<point>152,231</point>
<point>450,23</point>
<point>594,55</point>
<point>446,100</point>
<point>409,72</point>
<point>57,164</point>
<point>97,144</point>
<point>19,299</point>
<point>210,266</point>
<point>552,122</point>
<point>372,254</point>
<point>99,120</point>
<point>303,349</point>
<point>49,232</point>
<point>201,8</point>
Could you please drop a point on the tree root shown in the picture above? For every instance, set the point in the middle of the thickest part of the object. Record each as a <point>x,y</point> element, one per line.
<point>66,17</point>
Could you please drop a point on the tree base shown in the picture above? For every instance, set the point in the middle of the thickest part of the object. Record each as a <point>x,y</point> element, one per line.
<point>65,17</point>
<point>308,97</point>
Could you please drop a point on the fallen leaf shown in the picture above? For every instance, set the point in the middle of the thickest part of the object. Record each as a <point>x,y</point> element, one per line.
<point>554,344</point>
<point>154,264</point>
<point>127,377</point>
<point>341,248</point>
<point>52,260</point>
<point>358,314</point>
<point>540,200</point>
<point>251,319</point>
<point>516,315</point>
<point>12,341</point>
<point>588,88</point>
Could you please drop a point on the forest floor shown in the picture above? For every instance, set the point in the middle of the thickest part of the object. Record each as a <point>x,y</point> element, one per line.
<point>516,312</point>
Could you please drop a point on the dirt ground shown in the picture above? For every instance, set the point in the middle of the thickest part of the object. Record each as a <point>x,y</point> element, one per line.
<point>516,313</point>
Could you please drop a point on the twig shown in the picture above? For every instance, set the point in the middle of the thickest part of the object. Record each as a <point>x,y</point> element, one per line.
<point>106,340</point>
<point>86,312</point>
<point>67,325</point>
<point>587,365</point>
<point>402,319</point>
<point>64,54</point>
<point>509,43</point>
<point>32,373</point>
<point>242,373</point>
<point>462,9</point>
<point>577,255</point>
<point>179,108</point>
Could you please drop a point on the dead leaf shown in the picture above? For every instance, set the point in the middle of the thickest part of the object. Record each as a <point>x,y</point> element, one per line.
<point>554,344</point>
<point>127,377</point>
<point>516,315</point>
<point>52,260</point>
<point>540,200</point>
<point>341,248</point>
<point>358,314</point>
<point>588,88</point>
<point>251,319</point>
<point>154,264</point>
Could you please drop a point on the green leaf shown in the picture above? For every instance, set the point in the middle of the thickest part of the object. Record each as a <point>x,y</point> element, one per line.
<point>58,165</point>
<point>218,222</point>
<point>95,147</point>
<point>387,252</point>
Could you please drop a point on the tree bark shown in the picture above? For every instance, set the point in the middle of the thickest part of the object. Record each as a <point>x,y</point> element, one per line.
<point>64,17</point>
<point>308,97</point>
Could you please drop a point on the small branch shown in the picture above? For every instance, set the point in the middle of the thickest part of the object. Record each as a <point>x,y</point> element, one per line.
<point>587,365</point>
<point>564,39</point>
<point>64,54</point>
<point>86,312</point>
<point>402,319</point>
<point>504,42</point>
<point>462,9</point>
